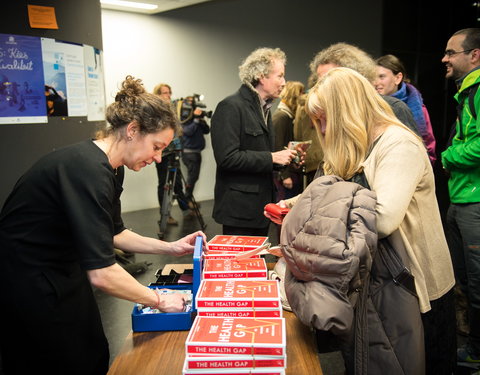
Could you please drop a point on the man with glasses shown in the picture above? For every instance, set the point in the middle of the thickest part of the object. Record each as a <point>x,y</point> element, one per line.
<point>462,161</point>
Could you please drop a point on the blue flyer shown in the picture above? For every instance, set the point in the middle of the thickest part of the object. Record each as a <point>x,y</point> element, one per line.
<point>22,87</point>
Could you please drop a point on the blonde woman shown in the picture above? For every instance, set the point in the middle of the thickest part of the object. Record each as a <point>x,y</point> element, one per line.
<point>287,180</point>
<point>359,132</point>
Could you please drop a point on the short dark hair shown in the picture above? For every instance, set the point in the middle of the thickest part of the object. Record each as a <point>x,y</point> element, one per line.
<point>472,38</point>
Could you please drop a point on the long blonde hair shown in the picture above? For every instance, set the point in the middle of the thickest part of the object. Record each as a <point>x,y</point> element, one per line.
<point>354,113</point>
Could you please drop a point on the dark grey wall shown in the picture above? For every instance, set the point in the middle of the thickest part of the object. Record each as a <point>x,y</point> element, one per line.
<point>22,144</point>
<point>301,28</point>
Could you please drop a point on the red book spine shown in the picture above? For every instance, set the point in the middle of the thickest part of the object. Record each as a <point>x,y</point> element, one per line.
<point>234,275</point>
<point>242,314</point>
<point>229,363</point>
<point>230,247</point>
<point>233,304</point>
<point>234,350</point>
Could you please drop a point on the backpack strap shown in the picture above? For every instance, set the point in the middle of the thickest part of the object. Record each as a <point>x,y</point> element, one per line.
<point>472,91</point>
<point>471,99</point>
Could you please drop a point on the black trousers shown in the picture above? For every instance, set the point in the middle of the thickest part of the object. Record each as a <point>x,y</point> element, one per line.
<point>439,327</point>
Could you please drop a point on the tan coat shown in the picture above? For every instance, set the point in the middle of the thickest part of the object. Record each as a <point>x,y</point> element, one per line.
<point>399,171</point>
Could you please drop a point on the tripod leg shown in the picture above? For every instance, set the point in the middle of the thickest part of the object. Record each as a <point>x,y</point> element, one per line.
<point>195,208</point>
<point>167,202</point>
<point>197,213</point>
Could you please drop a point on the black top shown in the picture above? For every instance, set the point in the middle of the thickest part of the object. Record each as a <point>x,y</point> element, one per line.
<point>65,209</point>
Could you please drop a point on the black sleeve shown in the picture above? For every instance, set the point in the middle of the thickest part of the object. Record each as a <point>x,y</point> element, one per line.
<point>90,195</point>
<point>229,142</point>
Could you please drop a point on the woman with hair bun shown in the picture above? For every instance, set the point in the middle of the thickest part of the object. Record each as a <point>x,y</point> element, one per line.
<point>58,231</point>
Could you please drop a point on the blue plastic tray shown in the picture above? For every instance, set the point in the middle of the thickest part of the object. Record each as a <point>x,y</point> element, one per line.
<point>181,321</point>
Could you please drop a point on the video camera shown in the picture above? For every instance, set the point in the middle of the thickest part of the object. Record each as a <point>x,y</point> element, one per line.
<point>187,106</point>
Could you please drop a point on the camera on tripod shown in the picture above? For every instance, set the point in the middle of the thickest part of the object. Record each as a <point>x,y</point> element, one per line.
<point>187,106</point>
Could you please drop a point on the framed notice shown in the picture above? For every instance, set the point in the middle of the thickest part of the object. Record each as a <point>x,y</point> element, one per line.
<point>22,94</point>
<point>93,58</point>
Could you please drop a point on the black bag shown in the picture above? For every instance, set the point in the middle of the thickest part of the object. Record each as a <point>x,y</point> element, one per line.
<point>388,334</point>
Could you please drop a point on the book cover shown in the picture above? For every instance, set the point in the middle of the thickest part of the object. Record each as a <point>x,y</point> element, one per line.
<point>241,313</point>
<point>235,269</point>
<point>237,336</point>
<point>238,294</point>
<point>195,362</point>
<point>224,254</point>
<point>236,243</point>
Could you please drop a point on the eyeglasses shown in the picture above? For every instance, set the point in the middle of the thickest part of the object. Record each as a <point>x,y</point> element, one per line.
<point>451,52</point>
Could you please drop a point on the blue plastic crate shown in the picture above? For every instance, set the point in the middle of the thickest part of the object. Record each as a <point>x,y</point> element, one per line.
<point>181,321</point>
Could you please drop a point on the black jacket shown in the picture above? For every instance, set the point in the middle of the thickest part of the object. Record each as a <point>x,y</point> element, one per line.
<point>242,141</point>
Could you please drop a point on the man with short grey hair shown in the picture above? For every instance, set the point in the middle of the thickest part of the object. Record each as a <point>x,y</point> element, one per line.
<point>243,143</point>
<point>349,56</point>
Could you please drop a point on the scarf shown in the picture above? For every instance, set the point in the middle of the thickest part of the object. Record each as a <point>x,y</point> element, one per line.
<point>413,99</point>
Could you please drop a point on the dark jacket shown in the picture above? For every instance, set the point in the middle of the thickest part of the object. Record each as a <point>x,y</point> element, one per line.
<point>242,141</point>
<point>329,241</point>
<point>403,113</point>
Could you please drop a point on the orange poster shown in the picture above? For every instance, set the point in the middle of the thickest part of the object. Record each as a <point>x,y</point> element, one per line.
<point>41,17</point>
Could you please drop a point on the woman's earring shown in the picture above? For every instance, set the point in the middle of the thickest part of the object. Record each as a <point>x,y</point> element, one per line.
<point>129,138</point>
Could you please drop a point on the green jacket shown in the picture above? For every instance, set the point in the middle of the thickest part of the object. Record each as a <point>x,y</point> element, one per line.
<point>462,158</point>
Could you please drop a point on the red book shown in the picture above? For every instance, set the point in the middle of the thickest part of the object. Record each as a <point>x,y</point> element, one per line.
<point>235,269</point>
<point>241,313</point>
<point>197,362</point>
<point>237,336</point>
<point>223,254</point>
<point>238,294</point>
<point>236,243</point>
<point>234,371</point>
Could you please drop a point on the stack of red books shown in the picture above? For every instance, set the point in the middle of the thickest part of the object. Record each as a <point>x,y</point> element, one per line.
<point>239,298</point>
<point>221,345</point>
<point>231,268</point>
<point>229,246</point>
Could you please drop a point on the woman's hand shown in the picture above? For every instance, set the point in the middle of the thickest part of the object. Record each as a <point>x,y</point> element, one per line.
<point>186,244</point>
<point>171,302</point>
<point>287,183</point>
<point>273,218</point>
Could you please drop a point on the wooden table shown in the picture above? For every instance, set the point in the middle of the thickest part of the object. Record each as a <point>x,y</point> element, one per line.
<point>163,353</point>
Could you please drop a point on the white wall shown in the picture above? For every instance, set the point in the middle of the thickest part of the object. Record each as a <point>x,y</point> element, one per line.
<point>198,50</point>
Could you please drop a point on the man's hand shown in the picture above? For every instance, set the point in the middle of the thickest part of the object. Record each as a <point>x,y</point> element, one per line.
<point>283,157</point>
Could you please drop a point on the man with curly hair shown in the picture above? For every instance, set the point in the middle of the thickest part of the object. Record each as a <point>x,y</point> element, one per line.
<point>243,145</point>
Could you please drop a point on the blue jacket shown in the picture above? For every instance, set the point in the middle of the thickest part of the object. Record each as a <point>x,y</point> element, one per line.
<point>193,134</point>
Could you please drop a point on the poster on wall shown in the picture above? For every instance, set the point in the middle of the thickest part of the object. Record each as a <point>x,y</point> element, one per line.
<point>65,86</point>
<point>93,59</point>
<point>22,95</point>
